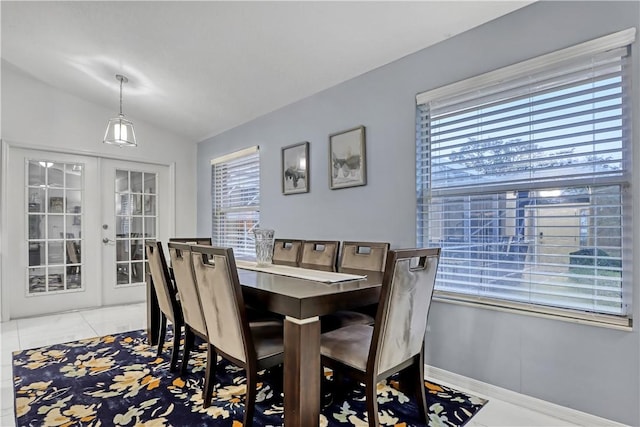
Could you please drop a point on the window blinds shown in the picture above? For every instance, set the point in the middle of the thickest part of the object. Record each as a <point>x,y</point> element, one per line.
<point>236,200</point>
<point>523,176</point>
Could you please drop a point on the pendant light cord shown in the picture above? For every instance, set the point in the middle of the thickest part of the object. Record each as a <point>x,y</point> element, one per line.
<point>121,95</point>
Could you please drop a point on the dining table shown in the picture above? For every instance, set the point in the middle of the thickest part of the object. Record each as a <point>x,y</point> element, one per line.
<point>301,299</point>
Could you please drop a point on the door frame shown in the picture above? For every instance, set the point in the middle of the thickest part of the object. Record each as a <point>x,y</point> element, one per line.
<point>5,151</point>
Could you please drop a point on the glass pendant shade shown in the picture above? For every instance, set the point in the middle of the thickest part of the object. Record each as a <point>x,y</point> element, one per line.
<point>120,130</point>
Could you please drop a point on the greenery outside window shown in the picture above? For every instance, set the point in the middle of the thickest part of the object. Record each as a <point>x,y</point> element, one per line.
<point>235,189</point>
<point>524,178</point>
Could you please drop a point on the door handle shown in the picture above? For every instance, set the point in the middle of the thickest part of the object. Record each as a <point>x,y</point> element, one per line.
<point>107,241</point>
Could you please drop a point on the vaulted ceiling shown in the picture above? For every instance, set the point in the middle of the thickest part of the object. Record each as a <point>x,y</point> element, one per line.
<point>200,68</point>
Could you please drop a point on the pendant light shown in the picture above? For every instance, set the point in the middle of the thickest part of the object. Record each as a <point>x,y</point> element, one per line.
<point>120,130</point>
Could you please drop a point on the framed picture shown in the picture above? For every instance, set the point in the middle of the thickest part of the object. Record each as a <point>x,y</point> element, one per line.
<point>295,168</point>
<point>348,160</point>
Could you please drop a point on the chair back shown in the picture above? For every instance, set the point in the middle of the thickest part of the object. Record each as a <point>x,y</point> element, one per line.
<point>287,252</point>
<point>370,256</point>
<point>320,254</point>
<point>180,254</point>
<point>222,302</point>
<point>192,240</point>
<point>405,298</point>
<point>161,279</point>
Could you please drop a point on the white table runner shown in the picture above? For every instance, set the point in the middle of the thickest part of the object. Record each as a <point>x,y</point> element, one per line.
<point>300,273</point>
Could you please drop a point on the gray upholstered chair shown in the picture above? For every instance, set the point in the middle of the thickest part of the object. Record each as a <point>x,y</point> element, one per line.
<point>167,298</point>
<point>254,346</point>
<point>192,240</point>
<point>361,256</point>
<point>287,252</point>
<point>320,254</point>
<point>396,341</point>
<point>194,324</point>
<point>369,256</point>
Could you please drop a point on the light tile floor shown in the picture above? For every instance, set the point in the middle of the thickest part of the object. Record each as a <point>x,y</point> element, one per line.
<point>34,332</point>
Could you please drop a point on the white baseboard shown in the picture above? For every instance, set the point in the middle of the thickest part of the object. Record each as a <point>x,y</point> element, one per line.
<point>489,391</point>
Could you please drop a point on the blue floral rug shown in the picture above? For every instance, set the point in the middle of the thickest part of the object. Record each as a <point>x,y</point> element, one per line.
<point>118,380</point>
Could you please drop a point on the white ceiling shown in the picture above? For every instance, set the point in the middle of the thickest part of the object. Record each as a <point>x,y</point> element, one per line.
<point>199,68</point>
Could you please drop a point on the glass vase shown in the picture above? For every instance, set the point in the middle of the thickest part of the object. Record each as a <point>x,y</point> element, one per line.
<point>264,246</point>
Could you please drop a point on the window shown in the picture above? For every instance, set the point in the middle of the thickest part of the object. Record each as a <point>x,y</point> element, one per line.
<point>236,201</point>
<point>54,209</point>
<point>136,215</point>
<point>523,179</point>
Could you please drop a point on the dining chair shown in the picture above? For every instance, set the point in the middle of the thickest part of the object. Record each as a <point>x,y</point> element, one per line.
<point>192,240</point>
<point>287,252</point>
<point>396,340</point>
<point>369,256</point>
<point>73,256</point>
<point>320,254</point>
<point>167,298</point>
<point>361,256</point>
<point>194,323</point>
<point>254,346</point>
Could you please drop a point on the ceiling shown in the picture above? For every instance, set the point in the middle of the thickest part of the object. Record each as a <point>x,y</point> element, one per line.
<point>200,68</point>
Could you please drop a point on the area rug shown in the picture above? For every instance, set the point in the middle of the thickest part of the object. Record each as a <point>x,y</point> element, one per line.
<point>117,380</point>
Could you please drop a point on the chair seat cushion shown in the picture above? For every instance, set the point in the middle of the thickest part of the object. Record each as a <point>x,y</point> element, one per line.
<point>343,318</point>
<point>267,338</point>
<point>348,345</point>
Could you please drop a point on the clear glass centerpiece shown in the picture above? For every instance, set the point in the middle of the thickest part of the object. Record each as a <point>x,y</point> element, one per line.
<point>264,246</point>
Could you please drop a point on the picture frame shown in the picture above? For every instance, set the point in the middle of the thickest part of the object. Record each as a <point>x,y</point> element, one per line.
<point>295,168</point>
<point>347,158</point>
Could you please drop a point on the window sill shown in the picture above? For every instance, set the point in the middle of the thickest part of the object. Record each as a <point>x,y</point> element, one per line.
<point>583,318</point>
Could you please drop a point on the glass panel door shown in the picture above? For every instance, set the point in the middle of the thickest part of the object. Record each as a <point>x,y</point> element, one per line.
<point>135,208</point>
<point>136,220</point>
<point>51,246</point>
<point>54,209</point>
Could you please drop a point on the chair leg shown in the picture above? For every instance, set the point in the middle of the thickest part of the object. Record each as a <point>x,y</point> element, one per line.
<point>250,400</point>
<point>209,375</point>
<point>420,394</point>
<point>371,394</point>
<point>175,352</point>
<point>163,332</point>
<point>338,386</point>
<point>189,338</point>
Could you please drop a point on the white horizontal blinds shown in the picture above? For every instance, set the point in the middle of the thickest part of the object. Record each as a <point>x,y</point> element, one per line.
<point>236,201</point>
<point>535,132</point>
<point>522,183</point>
<point>525,246</point>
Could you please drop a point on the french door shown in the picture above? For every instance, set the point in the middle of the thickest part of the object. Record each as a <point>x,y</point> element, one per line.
<point>74,230</point>
<point>134,198</point>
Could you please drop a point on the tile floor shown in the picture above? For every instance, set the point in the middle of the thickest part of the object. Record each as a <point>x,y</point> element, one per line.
<point>34,332</point>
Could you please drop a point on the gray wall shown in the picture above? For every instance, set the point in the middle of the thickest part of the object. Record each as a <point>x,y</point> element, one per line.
<point>588,368</point>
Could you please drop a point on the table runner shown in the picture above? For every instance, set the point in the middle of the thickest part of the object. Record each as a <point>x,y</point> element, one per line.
<point>300,273</point>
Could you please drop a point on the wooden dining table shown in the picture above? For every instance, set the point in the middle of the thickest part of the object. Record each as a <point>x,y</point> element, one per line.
<point>301,301</point>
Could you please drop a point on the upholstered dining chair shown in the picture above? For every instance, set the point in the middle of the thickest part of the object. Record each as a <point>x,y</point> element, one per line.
<point>192,240</point>
<point>369,256</point>
<point>254,346</point>
<point>287,252</point>
<point>362,256</point>
<point>320,254</point>
<point>194,324</point>
<point>167,298</point>
<point>396,341</point>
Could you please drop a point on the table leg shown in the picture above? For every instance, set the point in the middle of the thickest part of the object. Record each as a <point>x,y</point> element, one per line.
<point>153,313</point>
<point>301,372</point>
